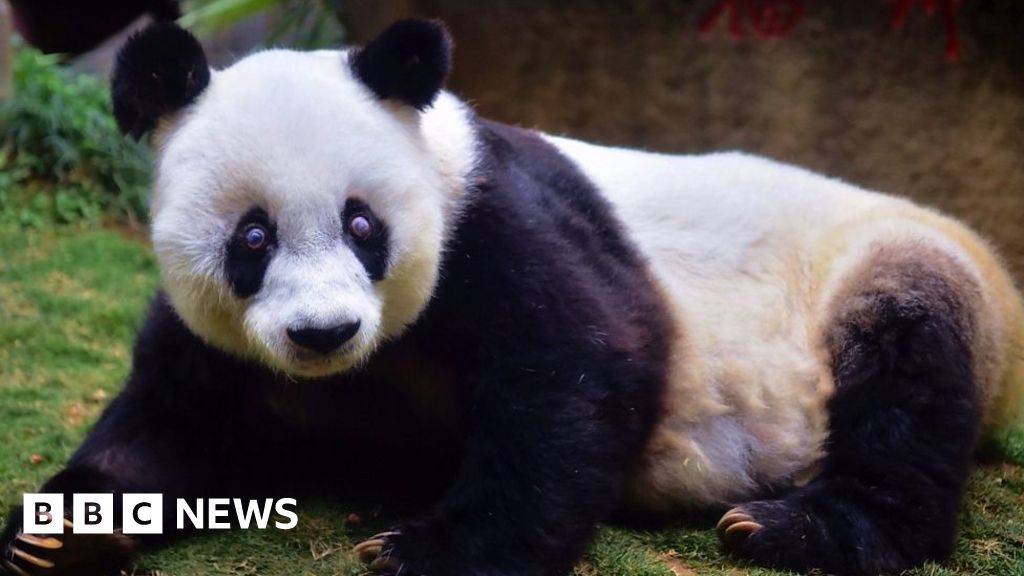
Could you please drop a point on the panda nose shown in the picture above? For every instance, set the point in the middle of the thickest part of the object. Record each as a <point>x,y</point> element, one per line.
<point>324,340</point>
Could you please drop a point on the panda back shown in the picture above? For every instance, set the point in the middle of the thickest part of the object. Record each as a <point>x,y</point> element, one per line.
<point>750,255</point>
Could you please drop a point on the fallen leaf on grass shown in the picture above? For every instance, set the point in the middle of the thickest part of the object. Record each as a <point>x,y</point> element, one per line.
<point>672,559</point>
<point>75,413</point>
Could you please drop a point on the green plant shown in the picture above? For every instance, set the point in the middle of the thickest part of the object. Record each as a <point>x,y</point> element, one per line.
<point>62,158</point>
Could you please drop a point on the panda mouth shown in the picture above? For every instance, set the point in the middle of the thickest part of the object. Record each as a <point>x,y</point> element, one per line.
<point>306,357</point>
<point>310,363</point>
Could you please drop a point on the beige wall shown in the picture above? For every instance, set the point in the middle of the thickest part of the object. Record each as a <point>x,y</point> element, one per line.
<point>844,94</point>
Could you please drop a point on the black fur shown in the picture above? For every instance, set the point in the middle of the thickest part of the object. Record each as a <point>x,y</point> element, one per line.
<point>561,343</point>
<point>904,422</point>
<point>373,251</point>
<point>158,71</point>
<point>549,333</point>
<point>408,62</point>
<point>244,267</point>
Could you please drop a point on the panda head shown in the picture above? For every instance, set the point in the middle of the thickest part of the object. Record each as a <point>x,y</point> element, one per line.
<point>297,214</point>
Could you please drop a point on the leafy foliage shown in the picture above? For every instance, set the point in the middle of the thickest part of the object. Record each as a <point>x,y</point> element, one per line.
<point>304,23</point>
<point>62,158</point>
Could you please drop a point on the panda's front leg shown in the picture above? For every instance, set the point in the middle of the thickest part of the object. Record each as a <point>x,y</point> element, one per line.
<point>123,455</point>
<point>545,462</point>
<point>23,554</point>
<point>134,448</point>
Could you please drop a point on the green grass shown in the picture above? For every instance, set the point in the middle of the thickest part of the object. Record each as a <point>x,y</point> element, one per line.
<point>70,301</point>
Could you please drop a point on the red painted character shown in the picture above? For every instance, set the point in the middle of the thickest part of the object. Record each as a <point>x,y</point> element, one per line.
<point>902,10</point>
<point>767,18</point>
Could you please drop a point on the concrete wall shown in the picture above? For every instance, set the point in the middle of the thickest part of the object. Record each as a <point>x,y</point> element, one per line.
<point>844,93</point>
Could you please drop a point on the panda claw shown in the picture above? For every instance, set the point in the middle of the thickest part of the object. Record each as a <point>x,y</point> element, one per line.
<point>33,560</point>
<point>386,564</point>
<point>741,529</point>
<point>13,569</point>
<point>48,543</point>
<point>369,552</point>
<point>733,516</point>
<point>736,526</point>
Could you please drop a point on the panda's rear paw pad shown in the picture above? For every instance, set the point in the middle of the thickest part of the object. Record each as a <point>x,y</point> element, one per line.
<point>376,553</point>
<point>736,526</point>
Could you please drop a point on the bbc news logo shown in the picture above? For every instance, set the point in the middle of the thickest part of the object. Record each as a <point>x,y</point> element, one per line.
<point>144,513</point>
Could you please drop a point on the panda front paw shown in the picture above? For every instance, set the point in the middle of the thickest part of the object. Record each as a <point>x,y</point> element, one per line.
<point>775,533</point>
<point>397,553</point>
<point>26,555</point>
<point>413,550</point>
<point>67,554</point>
<point>376,552</point>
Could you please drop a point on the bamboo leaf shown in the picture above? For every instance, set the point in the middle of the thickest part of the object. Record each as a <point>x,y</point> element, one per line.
<point>214,14</point>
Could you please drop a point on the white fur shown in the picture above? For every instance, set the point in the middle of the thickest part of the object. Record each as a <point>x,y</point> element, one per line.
<point>295,134</point>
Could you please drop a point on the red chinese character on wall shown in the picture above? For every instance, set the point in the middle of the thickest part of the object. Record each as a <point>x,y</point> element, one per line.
<point>767,18</point>
<point>902,10</point>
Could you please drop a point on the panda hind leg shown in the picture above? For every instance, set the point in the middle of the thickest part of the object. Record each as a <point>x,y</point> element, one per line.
<point>903,425</point>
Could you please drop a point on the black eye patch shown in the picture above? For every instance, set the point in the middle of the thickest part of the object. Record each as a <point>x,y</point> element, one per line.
<point>371,248</point>
<point>247,259</point>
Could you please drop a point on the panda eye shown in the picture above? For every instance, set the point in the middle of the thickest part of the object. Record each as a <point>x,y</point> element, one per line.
<point>359,226</point>
<point>367,236</point>
<point>255,237</point>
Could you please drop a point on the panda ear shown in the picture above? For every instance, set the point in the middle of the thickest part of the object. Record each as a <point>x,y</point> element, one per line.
<point>408,62</point>
<point>157,72</point>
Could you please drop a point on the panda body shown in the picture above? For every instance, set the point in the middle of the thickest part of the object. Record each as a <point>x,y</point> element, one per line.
<point>750,255</point>
<point>359,274</point>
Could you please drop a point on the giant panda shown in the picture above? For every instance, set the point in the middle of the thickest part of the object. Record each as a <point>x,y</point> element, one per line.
<point>367,286</point>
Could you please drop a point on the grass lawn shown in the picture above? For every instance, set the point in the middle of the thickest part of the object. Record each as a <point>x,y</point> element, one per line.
<point>69,303</point>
